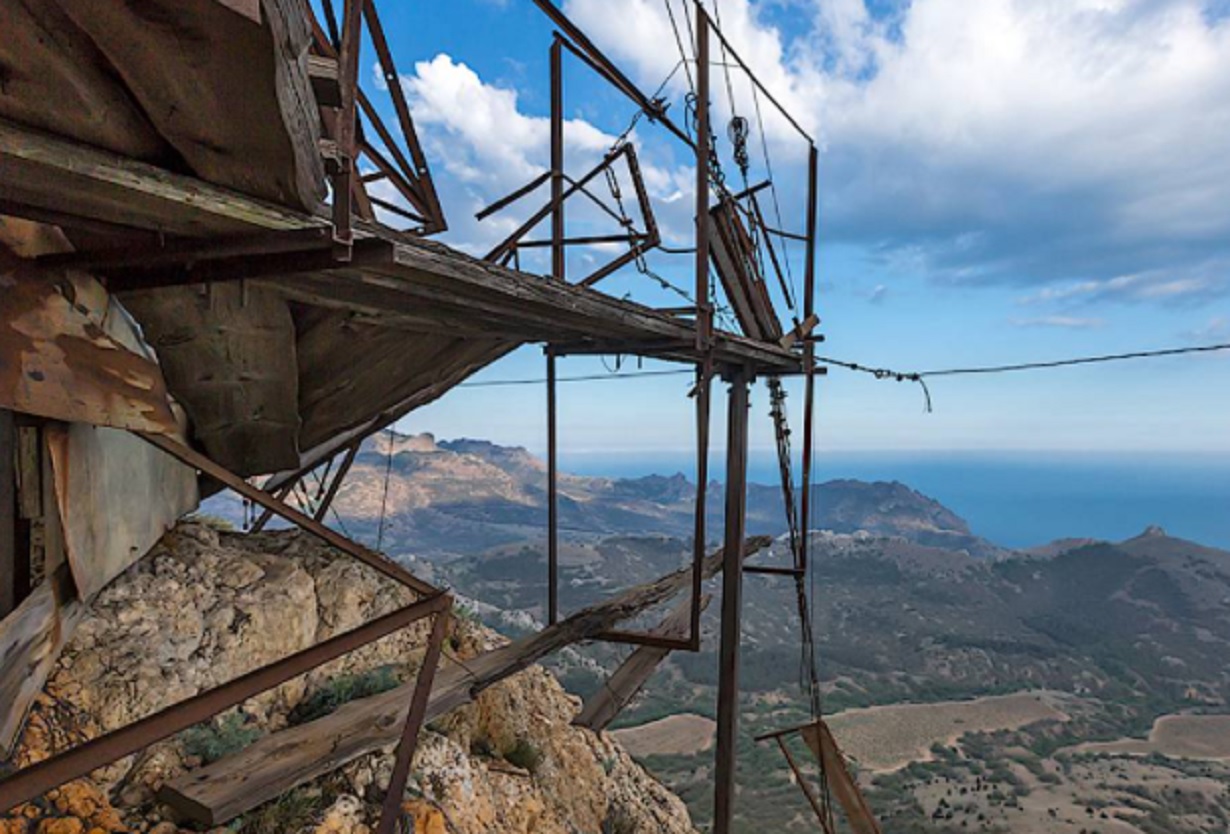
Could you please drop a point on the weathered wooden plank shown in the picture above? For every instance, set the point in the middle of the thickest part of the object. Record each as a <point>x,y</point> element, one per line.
<point>57,361</point>
<point>228,354</point>
<point>349,371</point>
<point>214,794</point>
<point>55,79</point>
<point>69,177</point>
<point>31,639</point>
<point>824,747</point>
<point>618,691</point>
<point>8,513</point>
<point>231,95</point>
<point>116,496</point>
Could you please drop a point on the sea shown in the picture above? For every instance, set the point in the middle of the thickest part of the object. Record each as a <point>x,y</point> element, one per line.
<point>1015,499</point>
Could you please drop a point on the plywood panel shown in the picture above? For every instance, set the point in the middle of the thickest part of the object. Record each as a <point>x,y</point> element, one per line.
<point>117,495</point>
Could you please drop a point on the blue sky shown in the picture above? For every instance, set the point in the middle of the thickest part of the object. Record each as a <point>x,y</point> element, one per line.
<point>1003,180</point>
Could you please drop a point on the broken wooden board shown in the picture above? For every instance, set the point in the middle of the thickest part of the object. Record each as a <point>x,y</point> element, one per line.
<point>230,94</point>
<point>228,354</point>
<point>117,495</point>
<point>621,687</point>
<point>56,80</point>
<point>820,741</point>
<point>31,639</point>
<point>734,259</point>
<point>58,361</point>
<point>218,792</point>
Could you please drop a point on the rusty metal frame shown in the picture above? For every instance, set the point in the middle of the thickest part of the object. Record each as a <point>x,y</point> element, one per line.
<point>638,241</point>
<point>405,169</point>
<point>34,781</point>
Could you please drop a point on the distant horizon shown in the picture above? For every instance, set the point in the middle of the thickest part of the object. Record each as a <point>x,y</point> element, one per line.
<point>1014,498</point>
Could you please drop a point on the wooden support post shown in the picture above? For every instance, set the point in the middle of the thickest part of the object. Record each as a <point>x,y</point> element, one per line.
<point>732,603</point>
<point>8,515</point>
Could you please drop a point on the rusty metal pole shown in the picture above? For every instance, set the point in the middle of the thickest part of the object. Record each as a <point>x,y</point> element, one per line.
<point>809,352</point>
<point>704,396</point>
<point>390,813</point>
<point>559,273</point>
<point>732,602</point>
<point>8,514</point>
<point>704,311</point>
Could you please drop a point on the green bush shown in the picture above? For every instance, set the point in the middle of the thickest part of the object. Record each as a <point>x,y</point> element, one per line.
<point>342,690</point>
<point>213,741</point>
<point>292,811</point>
<point>524,754</point>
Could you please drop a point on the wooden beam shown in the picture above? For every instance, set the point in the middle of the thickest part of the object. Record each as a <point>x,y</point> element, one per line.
<point>618,691</point>
<point>8,514</point>
<point>234,99</point>
<point>61,175</point>
<point>31,639</point>
<point>214,794</point>
<point>833,765</point>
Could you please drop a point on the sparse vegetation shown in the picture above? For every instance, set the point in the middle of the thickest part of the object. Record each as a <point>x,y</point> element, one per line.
<point>343,689</point>
<point>219,738</point>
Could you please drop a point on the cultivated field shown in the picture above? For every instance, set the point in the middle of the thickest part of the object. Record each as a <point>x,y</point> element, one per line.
<point>883,739</point>
<point>1178,736</point>
<point>675,735</point>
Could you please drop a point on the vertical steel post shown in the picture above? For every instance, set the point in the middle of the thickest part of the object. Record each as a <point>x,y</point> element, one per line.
<point>732,602</point>
<point>8,514</point>
<point>704,396</point>
<point>559,273</point>
<point>809,351</point>
<point>704,312</point>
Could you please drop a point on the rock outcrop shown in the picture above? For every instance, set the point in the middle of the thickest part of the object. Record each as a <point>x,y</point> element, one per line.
<point>208,605</point>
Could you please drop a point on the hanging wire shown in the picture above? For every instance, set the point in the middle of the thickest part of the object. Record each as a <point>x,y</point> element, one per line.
<point>683,53</point>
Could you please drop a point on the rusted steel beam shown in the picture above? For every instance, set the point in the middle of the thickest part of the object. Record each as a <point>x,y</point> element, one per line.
<point>509,199</point>
<point>537,217</point>
<point>552,495</point>
<point>809,352</point>
<point>704,315</point>
<point>704,398</point>
<point>390,811</point>
<point>336,483</point>
<point>32,782</point>
<point>584,48</point>
<point>732,604</point>
<point>371,558</point>
<point>769,570</point>
<point>419,174</point>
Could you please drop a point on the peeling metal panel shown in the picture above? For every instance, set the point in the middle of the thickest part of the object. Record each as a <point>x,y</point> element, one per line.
<point>116,495</point>
<point>57,359</point>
